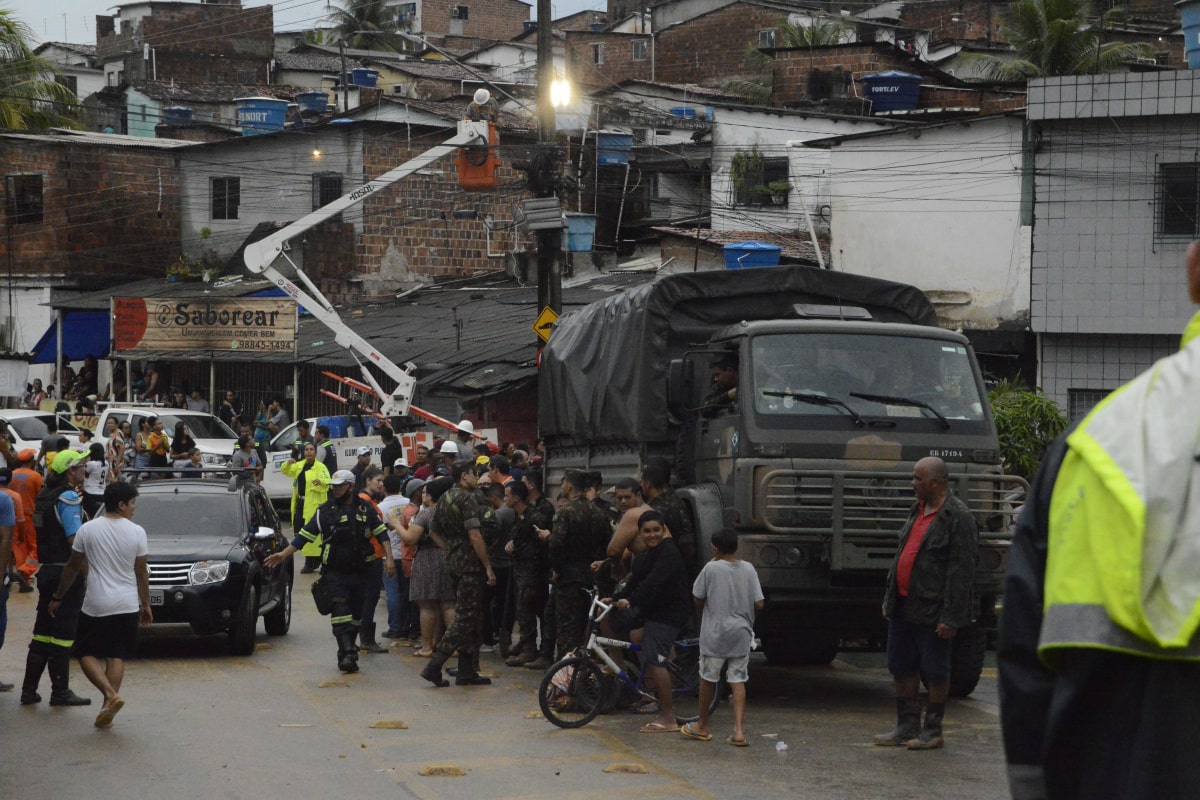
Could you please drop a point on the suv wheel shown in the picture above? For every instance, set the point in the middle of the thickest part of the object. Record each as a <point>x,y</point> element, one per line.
<point>245,624</point>
<point>279,620</point>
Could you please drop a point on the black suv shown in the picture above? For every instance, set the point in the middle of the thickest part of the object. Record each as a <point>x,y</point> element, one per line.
<point>207,546</point>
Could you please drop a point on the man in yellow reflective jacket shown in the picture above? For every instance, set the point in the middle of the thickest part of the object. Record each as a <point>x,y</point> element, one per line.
<point>1099,649</point>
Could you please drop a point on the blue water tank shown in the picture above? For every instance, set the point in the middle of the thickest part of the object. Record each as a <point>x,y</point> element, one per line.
<point>892,90</point>
<point>581,232</point>
<point>177,115</point>
<point>261,114</point>
<point>1189,12</point>
<point>313,102</point>
<point>686,112</point>
<point>364,77</point>
<point>744,255</point>
<point>612,148</point>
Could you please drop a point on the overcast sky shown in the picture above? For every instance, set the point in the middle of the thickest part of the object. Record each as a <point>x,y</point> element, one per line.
<point>75,20</point>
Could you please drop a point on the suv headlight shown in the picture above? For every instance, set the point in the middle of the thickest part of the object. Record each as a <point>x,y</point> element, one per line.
<point>203,572</point>
<point>215,459</point>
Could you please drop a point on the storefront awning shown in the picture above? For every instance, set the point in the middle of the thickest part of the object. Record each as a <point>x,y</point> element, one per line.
<point>85,333</point>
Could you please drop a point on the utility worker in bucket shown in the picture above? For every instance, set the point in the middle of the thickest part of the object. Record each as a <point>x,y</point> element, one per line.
<point>483,108</point>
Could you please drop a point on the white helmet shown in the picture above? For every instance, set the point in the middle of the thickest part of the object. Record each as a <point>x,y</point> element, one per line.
<point>466,426</point>
<point>482,96</point>
<point>448,447</point>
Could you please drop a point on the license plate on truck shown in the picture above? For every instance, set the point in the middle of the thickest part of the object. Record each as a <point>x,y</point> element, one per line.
<point>156,597</point>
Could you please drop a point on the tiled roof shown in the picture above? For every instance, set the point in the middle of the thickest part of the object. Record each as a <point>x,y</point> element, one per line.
<point>82,49</point>
<point>211,92</point>
<point>313,62</point>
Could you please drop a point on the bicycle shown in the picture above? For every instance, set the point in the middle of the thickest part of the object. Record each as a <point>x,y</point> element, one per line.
<point>587,682</point>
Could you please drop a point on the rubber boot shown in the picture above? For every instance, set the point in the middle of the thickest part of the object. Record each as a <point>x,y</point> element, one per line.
<point>908,723</point>
<point>60,676</point>
<point>347,652</point>
<point>366,639</point>
<point>433,670</point>
<point>930,737</point>
<point>35,665</point>
<point>468,672</point>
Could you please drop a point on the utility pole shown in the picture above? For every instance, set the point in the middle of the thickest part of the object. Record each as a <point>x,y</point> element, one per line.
<point>345,89</point>
<point>545,164</point>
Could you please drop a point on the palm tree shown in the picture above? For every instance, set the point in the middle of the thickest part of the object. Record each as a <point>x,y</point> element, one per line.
<point>816,33</point>
<point>30,97</point>
<point>1054,37</point>
<point>755,87</point>
<point>367,25</point>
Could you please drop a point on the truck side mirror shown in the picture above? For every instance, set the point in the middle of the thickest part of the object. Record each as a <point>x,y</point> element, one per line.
<point>681,381</point>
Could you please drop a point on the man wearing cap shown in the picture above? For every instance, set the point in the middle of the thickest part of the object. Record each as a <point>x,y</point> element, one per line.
<point>393,450</point>
<point>463,435</point>
<point>449,452</point>
<point>361,461</point>
<point>400,467</point>
<point>578,537</point>
<point>345,526</point>
<point>57,516</point>
<point>27,482</point>
<point>326,451</point>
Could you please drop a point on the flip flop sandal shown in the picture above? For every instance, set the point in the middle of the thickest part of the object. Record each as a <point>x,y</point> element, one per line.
<point>690,733</point>
<point>657,727</point>
<point>737,742</point>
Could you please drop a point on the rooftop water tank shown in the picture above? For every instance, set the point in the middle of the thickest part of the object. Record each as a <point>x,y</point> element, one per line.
<point>313,102</point>
<point>892,90</point>
<point>177,115</point>
<point>261,114</point>
<point>364,77</point>
<point>744,255</point>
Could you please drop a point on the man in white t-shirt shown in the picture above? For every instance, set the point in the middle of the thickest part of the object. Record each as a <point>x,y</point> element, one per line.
<point>112,550</point>
<point>391,509</point>
<point>728,591</point>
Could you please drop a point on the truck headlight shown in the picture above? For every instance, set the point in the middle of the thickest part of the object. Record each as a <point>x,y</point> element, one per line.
<point>203,572</point>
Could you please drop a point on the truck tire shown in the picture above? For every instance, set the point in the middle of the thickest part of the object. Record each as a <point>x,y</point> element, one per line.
<point>244,626</point>
<point>966,660</point>
<point>279,621</point>
<point>800,649</point>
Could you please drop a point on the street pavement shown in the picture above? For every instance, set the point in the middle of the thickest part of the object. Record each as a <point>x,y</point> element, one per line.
<point>284,723</point>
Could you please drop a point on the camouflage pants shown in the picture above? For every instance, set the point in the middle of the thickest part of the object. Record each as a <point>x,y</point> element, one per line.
<point>466,633</point>
<point>570,613</point>
<point>531,602</point>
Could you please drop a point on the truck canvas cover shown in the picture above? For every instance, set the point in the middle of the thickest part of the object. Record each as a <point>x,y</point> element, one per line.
<point>604,371</point>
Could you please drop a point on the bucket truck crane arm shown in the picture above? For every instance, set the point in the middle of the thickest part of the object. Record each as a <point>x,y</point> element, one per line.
<point>261,255</point>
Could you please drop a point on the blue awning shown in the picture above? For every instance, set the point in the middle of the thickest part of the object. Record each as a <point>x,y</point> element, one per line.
<point>85,333</point>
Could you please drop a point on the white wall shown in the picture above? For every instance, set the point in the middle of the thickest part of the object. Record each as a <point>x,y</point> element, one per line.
<point>276,182</point>
<point>742,130</point>
<point>938,208</point>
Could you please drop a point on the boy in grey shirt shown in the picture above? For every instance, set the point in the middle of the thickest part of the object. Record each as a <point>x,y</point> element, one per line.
<point>728,591</point>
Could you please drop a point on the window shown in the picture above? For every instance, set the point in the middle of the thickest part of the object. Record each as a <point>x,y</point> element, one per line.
<point>69,81</point>
<point>327,187</point>
<point>247,76</point>
<point>1177,206</point>
<point>460,12</point>
<point>639,50</point>
<point>766,39</point>
<point>598,54</point>
<point>226,197</point>
<point>406,12</point>
<point>753,175</point>
<point>24,195</point>
<point>1080,402</point>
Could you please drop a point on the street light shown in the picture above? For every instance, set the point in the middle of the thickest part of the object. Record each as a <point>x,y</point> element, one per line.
<point>560,93</point>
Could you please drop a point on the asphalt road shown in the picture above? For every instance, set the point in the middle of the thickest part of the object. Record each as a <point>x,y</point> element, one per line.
<point>284,723</point>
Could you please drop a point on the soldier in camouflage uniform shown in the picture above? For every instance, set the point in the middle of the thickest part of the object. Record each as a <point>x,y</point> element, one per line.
<point>656,489</point>
<point>579,536</point>
<point>456,519</point>
<point>531,570</point>
<point>545,509</point>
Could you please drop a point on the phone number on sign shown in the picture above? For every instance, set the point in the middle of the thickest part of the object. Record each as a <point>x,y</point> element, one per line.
<point>259,344</point>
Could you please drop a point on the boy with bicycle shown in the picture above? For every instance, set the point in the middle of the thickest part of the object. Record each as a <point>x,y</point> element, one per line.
<point>728,591</point>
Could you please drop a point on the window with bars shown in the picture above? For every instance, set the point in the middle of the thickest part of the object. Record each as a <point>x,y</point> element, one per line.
<point>24,199</point>
<point>598,54</point>
<point>326,187</point>
<point>1080,402</point>
<point>226,197</point>
<point>759,173</point>
<point>639,50</point>
<point>1177,200</point>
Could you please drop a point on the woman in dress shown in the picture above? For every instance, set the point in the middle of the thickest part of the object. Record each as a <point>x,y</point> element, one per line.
<point>95,478</point>
<point>141,443</point>
<point>160,444</point>
<point>114,451</point>
<point>430,586</point>
<point>182,444</point>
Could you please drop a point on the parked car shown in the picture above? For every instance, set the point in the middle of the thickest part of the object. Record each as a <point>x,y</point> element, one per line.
<point>215,440</point>
<point>207,544</point>
<point>27,427</point>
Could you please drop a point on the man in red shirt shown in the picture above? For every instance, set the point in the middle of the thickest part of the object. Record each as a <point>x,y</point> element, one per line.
<point>928,598</point>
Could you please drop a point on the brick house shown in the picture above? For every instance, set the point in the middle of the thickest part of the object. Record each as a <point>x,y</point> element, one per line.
<point>599,59</point>
<point>219,42</point>
<point>83,210</point>
<point>714,44</point>
<point>74,66</point>
<point>472,19</point>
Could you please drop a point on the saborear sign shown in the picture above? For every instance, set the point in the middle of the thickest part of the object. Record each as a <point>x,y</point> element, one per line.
<point>144,324</point>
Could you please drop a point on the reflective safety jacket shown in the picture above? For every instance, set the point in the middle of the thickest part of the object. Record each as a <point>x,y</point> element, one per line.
<point>1124,520</point>
<point>1191,331</point>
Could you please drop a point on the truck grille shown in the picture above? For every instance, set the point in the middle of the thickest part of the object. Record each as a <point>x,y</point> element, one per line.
<point>170,574</point>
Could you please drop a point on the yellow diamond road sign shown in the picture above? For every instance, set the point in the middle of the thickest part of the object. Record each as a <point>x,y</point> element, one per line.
<point>545,323</point>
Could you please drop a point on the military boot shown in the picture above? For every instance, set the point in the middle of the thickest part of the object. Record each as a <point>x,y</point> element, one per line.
<point>908,723</point>
<point>35,665</point>
<point>347,652</point>
<point>468,672</point>
<point>433,670</point>
<point>930,737</point>
<point>60,675</point>
<point>366,639</point>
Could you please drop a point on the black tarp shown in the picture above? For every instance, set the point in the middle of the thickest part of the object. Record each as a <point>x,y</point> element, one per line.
<point>604,372</point>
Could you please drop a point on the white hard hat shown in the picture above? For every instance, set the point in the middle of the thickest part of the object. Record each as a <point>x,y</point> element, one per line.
<point>400,462</point>
<point>364,451</point>
<point>340,477</point>
<point>449,447</point>
<point>482,96</point>
<point>466,426</point>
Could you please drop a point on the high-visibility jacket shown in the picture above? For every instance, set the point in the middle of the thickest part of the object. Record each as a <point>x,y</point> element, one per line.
<point>1124,535</point>
<point>314,496</point>
<point>1191,331</point>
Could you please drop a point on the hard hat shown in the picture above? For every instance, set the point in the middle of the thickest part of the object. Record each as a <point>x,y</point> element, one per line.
<point>449,447</point>
<point>482,96</point>
<point>364,451</point>
<point>340,477</point>
<point>466,426</point>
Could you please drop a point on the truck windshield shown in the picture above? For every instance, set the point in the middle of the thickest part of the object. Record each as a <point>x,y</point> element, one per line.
<point>871,375</point>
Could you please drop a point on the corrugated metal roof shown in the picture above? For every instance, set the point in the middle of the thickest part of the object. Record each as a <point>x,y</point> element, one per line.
<point>791,246</point>
<point>67,136</point>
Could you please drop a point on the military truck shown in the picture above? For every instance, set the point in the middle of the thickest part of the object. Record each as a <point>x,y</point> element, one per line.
<point>843,383</point>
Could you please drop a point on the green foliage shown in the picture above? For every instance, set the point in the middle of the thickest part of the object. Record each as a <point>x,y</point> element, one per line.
<point>746,163</point>
<point>1055,37</point>
<point>366,25</point>
<point>30,97</point>
<point>1027,422</point>
<point>779,187</point>
<point>814,34</point>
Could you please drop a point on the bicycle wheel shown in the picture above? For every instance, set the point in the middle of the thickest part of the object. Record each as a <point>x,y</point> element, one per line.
<point>572,691</point>
<point>685,679</point>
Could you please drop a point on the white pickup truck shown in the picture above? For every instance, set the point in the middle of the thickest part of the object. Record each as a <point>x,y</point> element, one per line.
<point>215,440</point>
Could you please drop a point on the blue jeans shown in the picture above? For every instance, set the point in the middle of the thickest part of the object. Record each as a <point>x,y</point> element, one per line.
<point>397,599</point>
<point>3,612</point>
